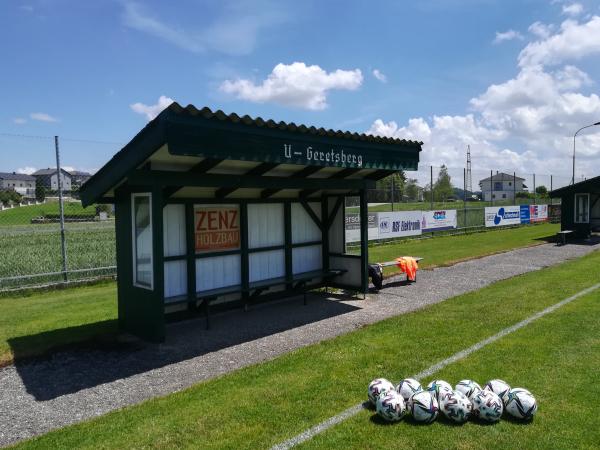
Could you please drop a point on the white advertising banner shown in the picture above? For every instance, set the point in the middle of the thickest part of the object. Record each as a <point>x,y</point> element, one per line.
<point>443,219</point>
<point>497,216</point>
<point>353,227</point>
<point>398,224</point>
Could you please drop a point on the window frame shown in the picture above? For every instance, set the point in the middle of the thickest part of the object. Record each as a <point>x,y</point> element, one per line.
<point>587,196</point>
<point>135,281</point>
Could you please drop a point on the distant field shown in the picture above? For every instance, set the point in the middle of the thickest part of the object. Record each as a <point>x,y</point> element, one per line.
<point>556,357</point>
<point>22,215</point>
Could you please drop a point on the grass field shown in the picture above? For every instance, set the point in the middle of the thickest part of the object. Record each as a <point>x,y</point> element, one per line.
<point>75,307</point>
<point>556,357</point>
<point>23,214</point>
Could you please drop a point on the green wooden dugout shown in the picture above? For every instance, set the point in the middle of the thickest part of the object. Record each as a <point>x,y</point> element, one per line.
<point>580,207</point>
<point>216,210</point>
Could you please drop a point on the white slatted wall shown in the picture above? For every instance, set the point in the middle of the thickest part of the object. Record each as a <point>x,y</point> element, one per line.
<point>304,229</point>
<point>217,272</point>
<point>174,244</point>
<point>266,228</point>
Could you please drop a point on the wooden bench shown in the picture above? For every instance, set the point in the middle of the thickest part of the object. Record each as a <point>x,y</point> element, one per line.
<point>299,283</point>
<point>562,236</point>
<point>395,263</point>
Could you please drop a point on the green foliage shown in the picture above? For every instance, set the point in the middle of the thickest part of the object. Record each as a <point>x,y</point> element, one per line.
<point>542,191</point>
<point>23,215</point>
<point>10,196</point>
<point>40,193</point>
<point>442,188</point>
<point>411,190</point>
<point>264,404</point>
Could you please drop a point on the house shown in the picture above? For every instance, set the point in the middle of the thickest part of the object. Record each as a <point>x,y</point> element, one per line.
<point>501,186</point>
<point>48,178</point>
<point>79,177</point>
<point>19,182</point>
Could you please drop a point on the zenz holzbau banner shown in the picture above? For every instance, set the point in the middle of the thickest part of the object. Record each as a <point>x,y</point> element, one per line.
<point>217,227</point>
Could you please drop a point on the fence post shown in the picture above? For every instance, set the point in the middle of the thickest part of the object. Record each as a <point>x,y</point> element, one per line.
<point>431,186</point>
<point>464,197</point>
<point>492,187</point>
<point>534,191</point>
<point>63,242</point>
<point>550,188</point>
<point>515,188</point>
<point>392,192</point>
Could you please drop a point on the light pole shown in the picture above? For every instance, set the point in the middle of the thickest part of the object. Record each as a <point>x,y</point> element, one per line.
<point>574,136</point>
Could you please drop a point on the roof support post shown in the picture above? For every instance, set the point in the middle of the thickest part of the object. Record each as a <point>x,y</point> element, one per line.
<point>364,241</point>
<point>325,232</point>
<point>190,255</point>
<point>287,220</point>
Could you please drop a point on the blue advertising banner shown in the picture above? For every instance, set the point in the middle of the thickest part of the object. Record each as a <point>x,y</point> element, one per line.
<point>525,216</point>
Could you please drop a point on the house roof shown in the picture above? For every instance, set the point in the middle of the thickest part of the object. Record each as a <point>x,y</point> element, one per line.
<point>80,173</point>
<point>189,136</point>
<point>16,176</point>
<point>47,171</point>
<point>501,177</point>
<point>591,185</point>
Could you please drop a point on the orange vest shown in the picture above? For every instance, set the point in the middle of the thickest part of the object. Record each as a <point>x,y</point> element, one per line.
<point>408,265</point>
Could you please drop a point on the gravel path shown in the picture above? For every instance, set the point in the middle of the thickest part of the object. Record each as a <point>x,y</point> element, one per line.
<point>71,386</point>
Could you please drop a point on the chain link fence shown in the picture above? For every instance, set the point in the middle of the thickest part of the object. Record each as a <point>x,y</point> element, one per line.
<point>41,246</point>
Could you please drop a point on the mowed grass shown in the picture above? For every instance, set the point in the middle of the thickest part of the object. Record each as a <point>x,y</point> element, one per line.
<point>262,405</point>
<point>57,310</point>
<point>22,215</point>
<point>447,250</point>
<point>32,324</point>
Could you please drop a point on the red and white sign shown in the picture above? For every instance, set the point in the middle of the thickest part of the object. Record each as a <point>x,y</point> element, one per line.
<point>538,213</point>
<point>216,228</point>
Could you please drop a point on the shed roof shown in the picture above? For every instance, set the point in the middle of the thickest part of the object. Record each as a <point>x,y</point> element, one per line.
<point>16,176</point>
<point>188,139</point>
<point>591,185</point>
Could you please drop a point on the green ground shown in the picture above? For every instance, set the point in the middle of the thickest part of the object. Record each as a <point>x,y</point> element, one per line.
<point>556,358</point>
<point>23,214</point>
<point>71,308</point>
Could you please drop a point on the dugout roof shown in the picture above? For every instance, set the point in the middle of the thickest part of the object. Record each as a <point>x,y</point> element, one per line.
<point>244,157</point>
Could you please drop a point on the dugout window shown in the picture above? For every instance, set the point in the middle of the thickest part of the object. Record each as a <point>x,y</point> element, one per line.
<point>141,210</point>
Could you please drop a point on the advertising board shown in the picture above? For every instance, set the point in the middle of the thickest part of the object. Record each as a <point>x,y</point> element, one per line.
<point>216,227</point>
<point>524,213</point>
<point>444,219</point>
<point>538,213</point>
<point>353,227</point>
<point>497,216</point>
<point>399,224</point>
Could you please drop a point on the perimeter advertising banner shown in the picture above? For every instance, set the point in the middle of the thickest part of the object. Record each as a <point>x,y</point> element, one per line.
<point>538,213</point>
<point>444,219</point>
<point>216,228</point>
<point>399,224</point>
<point>497,216</point>
<point>353,227</point>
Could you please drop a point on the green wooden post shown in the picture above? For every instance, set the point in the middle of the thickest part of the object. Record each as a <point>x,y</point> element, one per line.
<point>325,232</point>
<point>244,255</point>
<point>287,219</point>
<point>364,241</point>
<point>190,255</point>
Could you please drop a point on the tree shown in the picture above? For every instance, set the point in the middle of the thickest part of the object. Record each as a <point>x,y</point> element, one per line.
<point>442,188</point>
<point>411,190</point>
<point>397,181</point>
<point>40,193</point>
<point>542,191</point>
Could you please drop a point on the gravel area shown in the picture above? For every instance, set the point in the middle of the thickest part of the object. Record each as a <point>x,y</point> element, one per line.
<point>71,386</point>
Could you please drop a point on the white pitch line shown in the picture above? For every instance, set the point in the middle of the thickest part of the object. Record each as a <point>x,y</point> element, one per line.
<point>352,411</point>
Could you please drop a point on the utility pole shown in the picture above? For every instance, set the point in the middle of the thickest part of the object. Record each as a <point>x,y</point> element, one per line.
<point>63,241</point>
<point>469,181</point>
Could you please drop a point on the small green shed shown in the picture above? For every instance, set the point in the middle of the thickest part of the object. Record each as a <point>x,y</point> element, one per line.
<point>220,210</point>
<point>580,208</point>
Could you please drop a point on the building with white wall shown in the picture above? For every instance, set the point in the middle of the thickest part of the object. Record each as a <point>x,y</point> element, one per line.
<point>18,182</point>
<point>501,186</point>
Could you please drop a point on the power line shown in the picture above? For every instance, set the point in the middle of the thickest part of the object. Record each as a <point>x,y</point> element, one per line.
<point>86,141</point>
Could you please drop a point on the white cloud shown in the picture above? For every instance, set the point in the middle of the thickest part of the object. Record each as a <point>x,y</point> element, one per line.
<point>296,85</point>
<point>574,9</point>
<point>573,41</point>
<point>507,36</point>
<point>43,117</point>
<point>28,170</point>
<point>151,111</point>
<point>540,29</point>
<point>235,31</point>
<point>379,75</point>
<point>19,120</point>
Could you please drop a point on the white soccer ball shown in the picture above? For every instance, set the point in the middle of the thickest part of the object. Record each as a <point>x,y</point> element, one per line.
<point>377,387</point>
<point>436,387</point>
<point>521,404</point>
<point>468,387</point>
<point>391,406</point>
<point>487,406</point>
<point>407,387</point>
<point>455,406</point>
<point>498,387</point>
<point>423,407</point>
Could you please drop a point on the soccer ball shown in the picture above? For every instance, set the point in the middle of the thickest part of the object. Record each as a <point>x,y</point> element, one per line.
<point>521,403</point>
<point>468,387</point>
<point>487,406</point>
<point>423,407</point>
<point>391,406</point>
<point>407,387</point>
<point>455,406</point>
<point>498,387</point>
<point>377,387</point>
<point>436,387</point>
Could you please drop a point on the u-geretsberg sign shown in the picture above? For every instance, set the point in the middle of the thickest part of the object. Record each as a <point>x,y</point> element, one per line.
<point>330,156</point>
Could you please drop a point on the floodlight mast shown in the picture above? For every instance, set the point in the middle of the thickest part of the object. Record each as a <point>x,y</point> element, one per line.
<point>574,136</point>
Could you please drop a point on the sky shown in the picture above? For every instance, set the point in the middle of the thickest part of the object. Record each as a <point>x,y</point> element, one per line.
<point>512,79</point>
